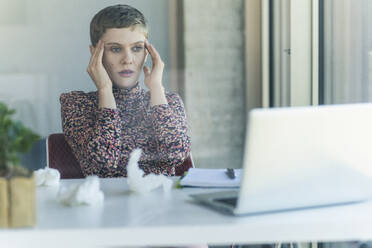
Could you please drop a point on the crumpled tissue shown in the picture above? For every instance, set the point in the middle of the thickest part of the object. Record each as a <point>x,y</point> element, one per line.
<point>140,184</point>
<point>86,193</point>
<point>47,176</point>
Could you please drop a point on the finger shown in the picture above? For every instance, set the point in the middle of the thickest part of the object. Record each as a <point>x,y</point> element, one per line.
<point>146,70</point>
<point>96,53</point>
<point>146,54</point>
<point>146,43</point>
<point>91,48</point>
<point>92,57</point>
<point>93,52</point>
<point>100,53</point>
<point>155,56</point>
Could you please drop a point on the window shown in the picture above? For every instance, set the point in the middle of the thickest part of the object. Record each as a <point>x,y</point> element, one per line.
<point>346,42</point>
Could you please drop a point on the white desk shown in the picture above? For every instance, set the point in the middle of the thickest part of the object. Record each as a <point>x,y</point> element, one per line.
<point>153,219</point>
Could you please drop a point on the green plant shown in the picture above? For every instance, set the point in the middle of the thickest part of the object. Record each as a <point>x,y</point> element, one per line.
<point>15,139</point>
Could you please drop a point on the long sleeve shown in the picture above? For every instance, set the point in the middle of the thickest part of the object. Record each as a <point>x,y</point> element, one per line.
<point>102,139</point>
<point>171,132</point>
<point>92,133</point>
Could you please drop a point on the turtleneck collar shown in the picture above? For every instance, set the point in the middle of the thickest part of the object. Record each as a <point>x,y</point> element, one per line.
<point>128,93</point>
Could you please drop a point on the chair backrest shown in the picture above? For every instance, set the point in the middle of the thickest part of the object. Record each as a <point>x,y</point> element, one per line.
<point>60,157</point>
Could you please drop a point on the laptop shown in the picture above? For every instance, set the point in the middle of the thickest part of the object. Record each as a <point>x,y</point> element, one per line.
<point>301,157</point>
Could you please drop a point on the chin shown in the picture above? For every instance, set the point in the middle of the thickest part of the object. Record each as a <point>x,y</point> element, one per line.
<point>125,85</point>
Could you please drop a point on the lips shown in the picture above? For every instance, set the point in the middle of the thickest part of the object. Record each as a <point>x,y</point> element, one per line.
<point>126,73</point>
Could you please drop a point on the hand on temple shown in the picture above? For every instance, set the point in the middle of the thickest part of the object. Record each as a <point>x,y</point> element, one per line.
<point>154,77</point>
<point>100,77</point>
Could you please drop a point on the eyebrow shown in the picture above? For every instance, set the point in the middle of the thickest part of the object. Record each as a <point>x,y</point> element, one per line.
<point>115,43</point>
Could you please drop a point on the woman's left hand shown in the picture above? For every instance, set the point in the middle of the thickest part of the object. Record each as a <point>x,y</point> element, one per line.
<point>154,77</point>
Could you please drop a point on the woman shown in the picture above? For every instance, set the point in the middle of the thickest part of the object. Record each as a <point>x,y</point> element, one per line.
<point>104,126</point>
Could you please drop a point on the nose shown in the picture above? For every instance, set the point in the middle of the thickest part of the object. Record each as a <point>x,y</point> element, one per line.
<point>127,57</point>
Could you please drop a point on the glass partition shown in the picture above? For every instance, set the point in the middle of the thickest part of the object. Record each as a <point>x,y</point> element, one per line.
<point>45,52</point>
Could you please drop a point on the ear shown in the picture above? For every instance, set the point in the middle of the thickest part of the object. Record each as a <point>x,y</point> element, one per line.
<point>91,48</point>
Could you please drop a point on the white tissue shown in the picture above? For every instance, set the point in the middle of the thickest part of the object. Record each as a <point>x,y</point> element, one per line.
<point>47,177</point>
<point>86,193</point>
<point>140,184</point>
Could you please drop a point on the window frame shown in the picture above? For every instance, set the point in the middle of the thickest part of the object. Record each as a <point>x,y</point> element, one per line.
<point>303,83</point>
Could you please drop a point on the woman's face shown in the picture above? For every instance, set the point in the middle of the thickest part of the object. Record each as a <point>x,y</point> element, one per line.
<point>124,55</point>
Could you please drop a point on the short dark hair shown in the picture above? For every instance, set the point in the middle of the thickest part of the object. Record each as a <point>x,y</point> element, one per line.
<point>116,16</point>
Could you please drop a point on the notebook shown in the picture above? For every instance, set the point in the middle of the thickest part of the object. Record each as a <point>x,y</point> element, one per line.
<point>301,157</point>
<point>200,177</point>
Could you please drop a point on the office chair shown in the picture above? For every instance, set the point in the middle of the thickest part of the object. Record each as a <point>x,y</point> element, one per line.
<point>60,157</point>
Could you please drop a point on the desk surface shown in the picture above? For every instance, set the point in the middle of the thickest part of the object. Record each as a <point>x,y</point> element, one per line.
<point>126,218</point>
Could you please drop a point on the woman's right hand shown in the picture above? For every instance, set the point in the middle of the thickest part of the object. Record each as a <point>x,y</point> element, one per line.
<point>96,70</point>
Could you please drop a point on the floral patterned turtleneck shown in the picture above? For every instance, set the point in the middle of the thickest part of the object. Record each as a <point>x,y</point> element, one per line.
<point>102,138</point>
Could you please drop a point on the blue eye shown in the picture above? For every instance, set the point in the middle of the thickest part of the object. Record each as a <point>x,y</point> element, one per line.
<point>115,49</point>
<point>137,48</point>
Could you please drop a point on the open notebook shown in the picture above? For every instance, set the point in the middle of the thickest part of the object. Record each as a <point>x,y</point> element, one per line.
<point>198,177</point>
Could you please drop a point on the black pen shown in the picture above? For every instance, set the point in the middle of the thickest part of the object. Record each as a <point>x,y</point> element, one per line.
<point>230,173</point>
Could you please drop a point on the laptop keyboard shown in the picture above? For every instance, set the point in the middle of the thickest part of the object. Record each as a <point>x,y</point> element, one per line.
<point>232,201</point>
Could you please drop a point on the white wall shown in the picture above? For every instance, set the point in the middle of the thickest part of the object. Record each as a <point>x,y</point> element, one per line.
<point>45,43</point>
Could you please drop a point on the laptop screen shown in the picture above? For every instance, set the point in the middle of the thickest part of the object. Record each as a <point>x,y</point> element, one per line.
<point>310,154</point>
